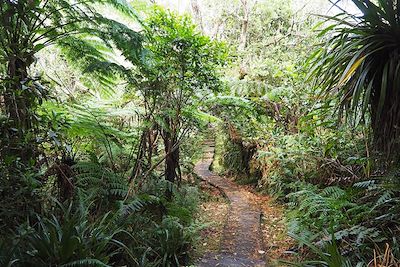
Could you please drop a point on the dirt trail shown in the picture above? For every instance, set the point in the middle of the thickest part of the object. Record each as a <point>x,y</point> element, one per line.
<point>241,243</point>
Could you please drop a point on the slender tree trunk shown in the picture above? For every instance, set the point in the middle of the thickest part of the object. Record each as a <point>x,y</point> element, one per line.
<point>172,158</point>
<point>17,102</point>
<point>245,25</point>
<point>152,144</point>
<point>137,168</point>
<point>197,14</point>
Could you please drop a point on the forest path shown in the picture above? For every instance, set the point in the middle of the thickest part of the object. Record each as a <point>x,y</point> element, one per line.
<point>241,243</point>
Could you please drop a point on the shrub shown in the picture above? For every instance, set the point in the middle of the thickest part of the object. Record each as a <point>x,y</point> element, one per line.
<point>73,240</point>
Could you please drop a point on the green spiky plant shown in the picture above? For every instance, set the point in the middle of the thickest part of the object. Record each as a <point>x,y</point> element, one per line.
<point>359,65</point>
<point>75,240</point>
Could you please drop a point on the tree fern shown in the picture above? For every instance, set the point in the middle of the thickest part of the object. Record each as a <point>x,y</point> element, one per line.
<point>30,26</point>
<point>95,124</point>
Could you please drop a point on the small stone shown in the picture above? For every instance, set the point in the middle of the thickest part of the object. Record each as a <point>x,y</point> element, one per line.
<point>261,251</point>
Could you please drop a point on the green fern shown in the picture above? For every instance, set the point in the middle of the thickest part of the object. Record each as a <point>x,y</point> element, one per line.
<point>99,181</point>
<point>318,209</point>
<point>368,184</point>
<point>327,256</point>
<point>133,206</point>
<point>94,123</point>
<point>333,192</point>
<point>86,262</point>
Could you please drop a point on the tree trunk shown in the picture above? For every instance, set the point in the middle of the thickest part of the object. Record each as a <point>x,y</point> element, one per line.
<point>386,124</point>
<point>17,102</point>
<point>247,151</point>
<point>245,25</point>
<point>197,14</point>
<point>172,158</point>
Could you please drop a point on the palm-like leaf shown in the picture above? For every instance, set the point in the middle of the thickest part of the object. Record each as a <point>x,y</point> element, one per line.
<point>28,26</point>
<point>360,66</point>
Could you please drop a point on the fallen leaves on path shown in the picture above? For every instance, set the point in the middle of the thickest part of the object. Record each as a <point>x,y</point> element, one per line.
<point>273,225</point>
<point>213,212</point>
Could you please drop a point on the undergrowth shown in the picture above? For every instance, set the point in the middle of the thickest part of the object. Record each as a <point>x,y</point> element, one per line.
<point>340,213</point>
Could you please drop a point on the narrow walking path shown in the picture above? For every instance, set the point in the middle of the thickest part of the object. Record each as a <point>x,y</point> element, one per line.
<point>241,243</point>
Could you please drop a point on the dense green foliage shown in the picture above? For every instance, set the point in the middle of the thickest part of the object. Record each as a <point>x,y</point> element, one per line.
<point>180,69</point>
<point>82,182</point>
<point>282,134</point>
<point>28,27</point>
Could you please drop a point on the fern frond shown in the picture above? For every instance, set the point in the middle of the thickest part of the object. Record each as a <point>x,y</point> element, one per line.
<point>133,206</point>
<point>333,192</point>
<point>86,262</point>
<point>368,184</point>
<point>94,177</point>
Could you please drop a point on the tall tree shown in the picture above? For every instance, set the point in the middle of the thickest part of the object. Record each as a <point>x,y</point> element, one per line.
<point>181,69</point>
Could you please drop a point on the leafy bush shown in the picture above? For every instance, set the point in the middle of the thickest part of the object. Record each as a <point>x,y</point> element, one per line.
<point>184,205</point>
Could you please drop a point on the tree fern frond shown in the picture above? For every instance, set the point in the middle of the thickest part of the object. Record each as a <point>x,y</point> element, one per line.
<point>94,177</point>
<point>123,6</point>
